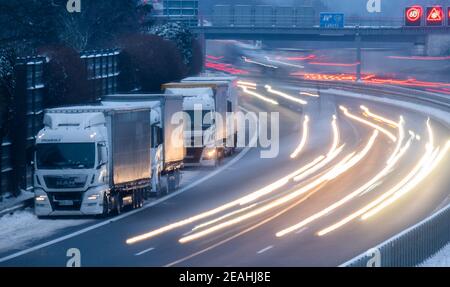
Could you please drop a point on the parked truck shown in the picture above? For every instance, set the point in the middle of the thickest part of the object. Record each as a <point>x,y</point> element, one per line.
<point>209,139</point>
<point>91,160</point>
<point>167,148</point>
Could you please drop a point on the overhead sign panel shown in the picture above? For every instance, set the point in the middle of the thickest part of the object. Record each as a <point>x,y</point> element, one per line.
<point>435,16</point>
<point>413,16</point>
<point>332,20</point>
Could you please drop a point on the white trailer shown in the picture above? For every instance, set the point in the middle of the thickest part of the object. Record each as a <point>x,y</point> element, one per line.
<point>167,148</point>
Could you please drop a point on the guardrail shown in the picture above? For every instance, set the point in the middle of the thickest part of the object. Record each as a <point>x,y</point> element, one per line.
<point>411,247</point>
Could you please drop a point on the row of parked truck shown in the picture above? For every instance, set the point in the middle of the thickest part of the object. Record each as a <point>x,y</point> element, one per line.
<point>98,159</point>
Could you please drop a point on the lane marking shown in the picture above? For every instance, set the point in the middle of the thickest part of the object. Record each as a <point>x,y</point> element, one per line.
<point>251,228</point>
<point>144,251</point>
<point>265,249</point>
<point>125,215</point>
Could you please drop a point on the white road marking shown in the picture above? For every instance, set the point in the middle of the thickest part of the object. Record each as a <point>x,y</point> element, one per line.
<point>144,251</point>
<point>265,249</point>
<point>125,215</point>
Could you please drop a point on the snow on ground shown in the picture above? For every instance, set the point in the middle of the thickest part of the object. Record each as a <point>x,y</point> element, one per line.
<point>21,228</point>
<point>9,201</point>
<point>440,259</point>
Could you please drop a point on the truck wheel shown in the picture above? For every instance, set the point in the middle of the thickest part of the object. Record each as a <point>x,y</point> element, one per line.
<point>141,198</point>
<point>118,203</point>
<point>106,209</point>
<point>177,179</point>
<point>171,182</point>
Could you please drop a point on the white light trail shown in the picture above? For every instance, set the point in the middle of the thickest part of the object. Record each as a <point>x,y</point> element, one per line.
<point>286,96</point>
<point>304,139</point>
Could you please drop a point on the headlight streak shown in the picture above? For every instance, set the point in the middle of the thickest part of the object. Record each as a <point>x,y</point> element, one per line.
<point>363,189</point>
<point>304,139</point>
<point>309,94</point>
<point>244,200</point>
<point>284,63</point>
<point>337,171</point>
<point>256,95</point>
<point>425,159</point>
<point>247,60</point>
<point>329,158</point>
<point>276,203</point>
<point>380,118</point>
<point>303,172</point>
<point>361,120</point>
<point>286,96</point>
<point>208,223</point>
<point>401,137</point>
<point>247,84</point>
<point>435,158</point>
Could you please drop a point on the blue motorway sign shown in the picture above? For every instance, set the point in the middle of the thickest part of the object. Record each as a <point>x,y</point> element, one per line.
<point>332,20</point>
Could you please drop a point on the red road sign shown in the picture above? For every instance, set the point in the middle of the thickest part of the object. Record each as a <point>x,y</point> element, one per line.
<point>435,16</point>
<point>413,16</point>
<point>448,16</point>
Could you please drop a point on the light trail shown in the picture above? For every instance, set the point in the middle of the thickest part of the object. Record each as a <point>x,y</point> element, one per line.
<point>247,60</point>
<point>309,94</point>
<point>304,139</point>
<point>208,223</point>
<point>400,126</point>
<point>386,195</point>
<point>378,117</point>
<point>401,137</point>
<point>259,96</point>
<point>247,84</point>
<point>241,201</point>
<point>284,63</point>
<point>363,189</point>
<point>303,172</point>
<point>286,96</point>
<point>427,168</point>
<point>274,204</point>
<point>361,120</point>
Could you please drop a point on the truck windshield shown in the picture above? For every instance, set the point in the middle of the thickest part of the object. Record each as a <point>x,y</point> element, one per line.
<point>204,119</point>
<point>65,156</point>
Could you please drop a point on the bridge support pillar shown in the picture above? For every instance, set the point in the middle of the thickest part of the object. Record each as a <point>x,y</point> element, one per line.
<point>202,40</point>
<point>420,47</point>
<point>358,58</point>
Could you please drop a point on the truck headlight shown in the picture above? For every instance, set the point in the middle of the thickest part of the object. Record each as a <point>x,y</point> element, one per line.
<point>210,153</point>
<point>41,198</point>
<point>93,197</point>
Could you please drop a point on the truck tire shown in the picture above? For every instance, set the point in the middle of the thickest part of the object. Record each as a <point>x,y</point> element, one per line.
<point>106,208</point>
<point>118,203</point>
<point>171,182</point>
<point>178,178</point>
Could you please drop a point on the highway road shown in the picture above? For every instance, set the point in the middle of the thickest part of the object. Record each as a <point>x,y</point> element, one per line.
<point>350,158</point>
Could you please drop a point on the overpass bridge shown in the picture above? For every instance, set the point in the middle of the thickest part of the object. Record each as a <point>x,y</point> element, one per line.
<point>417,35</point>
<point>266,22</point>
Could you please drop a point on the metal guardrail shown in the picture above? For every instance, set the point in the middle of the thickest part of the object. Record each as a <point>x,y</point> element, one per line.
<point>411,247</point>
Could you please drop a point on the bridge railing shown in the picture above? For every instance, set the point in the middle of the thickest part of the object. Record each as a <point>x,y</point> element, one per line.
<point>290,21</point>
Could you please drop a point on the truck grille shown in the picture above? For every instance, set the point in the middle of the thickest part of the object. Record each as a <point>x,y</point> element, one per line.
<point>65,182</point>
<point>66,201</point>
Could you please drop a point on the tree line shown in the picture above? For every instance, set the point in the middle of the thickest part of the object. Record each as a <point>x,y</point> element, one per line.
<point>151,54</point>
